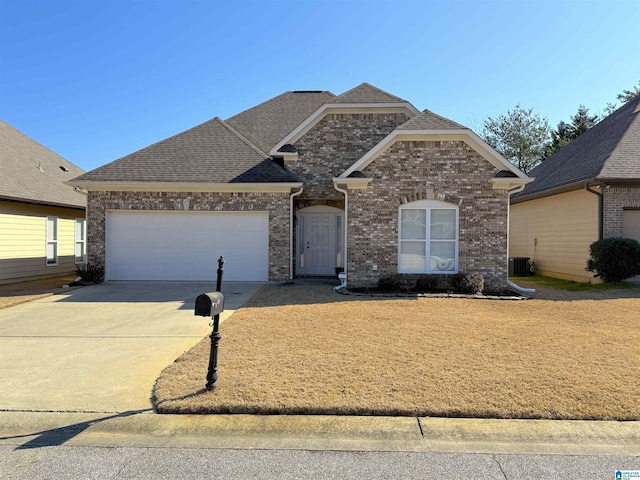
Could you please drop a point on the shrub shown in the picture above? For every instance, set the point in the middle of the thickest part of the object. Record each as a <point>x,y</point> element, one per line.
<point>427,283</point>
<point>614,259</point>
<point>390,284</point>
<point>90,273</point>
<point>468,283</point>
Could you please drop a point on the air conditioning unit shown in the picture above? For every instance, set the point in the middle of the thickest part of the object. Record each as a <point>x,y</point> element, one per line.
<point>519,267</point>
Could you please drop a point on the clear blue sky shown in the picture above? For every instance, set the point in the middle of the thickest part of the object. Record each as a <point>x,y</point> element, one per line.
<point>96,80</point>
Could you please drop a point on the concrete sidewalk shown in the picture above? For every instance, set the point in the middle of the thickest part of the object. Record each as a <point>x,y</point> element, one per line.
<point>101,348</point>
<point>144,429</point>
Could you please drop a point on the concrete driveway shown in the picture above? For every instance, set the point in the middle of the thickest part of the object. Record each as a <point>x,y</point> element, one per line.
<point>100,348</point>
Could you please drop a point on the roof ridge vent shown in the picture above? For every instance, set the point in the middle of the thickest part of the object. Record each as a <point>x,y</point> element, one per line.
<point>307,91</point>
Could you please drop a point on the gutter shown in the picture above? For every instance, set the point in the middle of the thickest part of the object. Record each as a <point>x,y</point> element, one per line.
<point>600,207</point>
<point>291,227</point>
<point>346,223</point>
<point>517,288</point>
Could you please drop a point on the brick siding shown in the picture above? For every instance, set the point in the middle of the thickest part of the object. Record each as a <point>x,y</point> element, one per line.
<point>277,204</point>
<point>615,200</point>
<point>440,170</point>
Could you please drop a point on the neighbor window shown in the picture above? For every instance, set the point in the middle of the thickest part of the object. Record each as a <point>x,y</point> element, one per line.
<point>428,237</point>
<point>52,240</point>
<point>81,241</point>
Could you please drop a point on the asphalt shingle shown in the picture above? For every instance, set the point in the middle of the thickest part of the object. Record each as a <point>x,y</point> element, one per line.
<point>608,151</point>
<point>208,153</point>
<point>366,93</point>
<point>266,124</point>
<point>428,120</point>
<point>32,173</point>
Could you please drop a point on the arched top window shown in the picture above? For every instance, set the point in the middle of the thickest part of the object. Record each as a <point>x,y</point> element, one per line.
<point>428,237</point>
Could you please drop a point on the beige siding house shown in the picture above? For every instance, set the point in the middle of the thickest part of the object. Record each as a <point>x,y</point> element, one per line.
<point>42,220</point>
<point>588,190</point>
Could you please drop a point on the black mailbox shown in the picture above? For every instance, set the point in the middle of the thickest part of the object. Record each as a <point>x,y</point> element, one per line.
<point>209,304</point>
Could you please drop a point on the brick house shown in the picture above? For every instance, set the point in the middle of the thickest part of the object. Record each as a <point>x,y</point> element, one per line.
<point>588,190</point>
<point>302,184</point>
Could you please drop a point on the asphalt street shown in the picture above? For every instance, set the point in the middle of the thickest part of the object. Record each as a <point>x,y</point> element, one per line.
<point>179,463</point>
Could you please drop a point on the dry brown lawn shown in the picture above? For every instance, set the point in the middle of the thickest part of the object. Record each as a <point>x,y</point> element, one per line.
<point>304,349</point>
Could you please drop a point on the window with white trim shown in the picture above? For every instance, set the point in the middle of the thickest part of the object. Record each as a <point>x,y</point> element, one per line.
<point>81,240</point>
<point>52,241</point>
<point>428,239</point>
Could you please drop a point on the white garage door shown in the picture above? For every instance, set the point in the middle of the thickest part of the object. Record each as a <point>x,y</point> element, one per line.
<point>187,245</point>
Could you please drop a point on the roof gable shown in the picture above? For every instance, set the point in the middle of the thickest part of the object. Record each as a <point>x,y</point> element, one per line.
<point>208,153</point>
<point>428,120</point>
<point>268,123</point>
<point>366,93</point>
<point>610,150</point>
<point>33,173</point>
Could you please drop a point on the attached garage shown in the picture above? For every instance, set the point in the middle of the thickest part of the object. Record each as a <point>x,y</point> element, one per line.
<point>144,245</point>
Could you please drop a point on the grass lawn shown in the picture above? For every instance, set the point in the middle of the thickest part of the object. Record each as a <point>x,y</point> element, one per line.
<point>303,349</point>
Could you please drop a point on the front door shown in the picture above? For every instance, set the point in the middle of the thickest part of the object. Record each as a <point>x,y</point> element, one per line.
<point>320,244</point>
<point>320,238</point>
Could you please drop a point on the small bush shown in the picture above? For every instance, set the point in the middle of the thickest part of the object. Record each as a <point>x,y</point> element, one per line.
<point>614,259</point>
<point>90,273</point>
<point>427,283</point>
<point>390,284</point>
<point>468,283</point>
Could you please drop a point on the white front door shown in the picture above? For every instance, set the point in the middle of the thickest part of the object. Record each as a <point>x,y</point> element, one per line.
<point>319,245</point>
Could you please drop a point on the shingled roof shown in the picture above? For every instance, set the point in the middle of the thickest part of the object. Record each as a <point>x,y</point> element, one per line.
<point>211,152</point>
<point>366,93</point>
<point>34,174</point>
<point>266,124</point>
<point>608,151</point>
<point>428,120</point>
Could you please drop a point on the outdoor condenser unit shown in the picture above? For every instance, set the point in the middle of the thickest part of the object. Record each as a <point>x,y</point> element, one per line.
<point>519,266</point>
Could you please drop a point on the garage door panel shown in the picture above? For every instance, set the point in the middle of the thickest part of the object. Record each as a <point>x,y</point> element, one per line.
<point>186,245</point>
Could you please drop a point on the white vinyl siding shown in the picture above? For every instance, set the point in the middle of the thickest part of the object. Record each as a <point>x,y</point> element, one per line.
<point>428,237</point>
<point>52,241</point>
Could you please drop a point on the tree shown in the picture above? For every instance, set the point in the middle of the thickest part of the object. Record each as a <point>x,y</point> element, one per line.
<point>627,95</point>
<point>565,132</point>
<point>520,136</point>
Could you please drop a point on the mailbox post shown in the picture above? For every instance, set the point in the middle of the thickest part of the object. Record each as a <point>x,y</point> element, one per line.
<point>212,304</point>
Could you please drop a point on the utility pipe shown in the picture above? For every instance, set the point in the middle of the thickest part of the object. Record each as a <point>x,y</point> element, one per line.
<point>291,226</point>
<point>517,288</point>
<point>346,223</point>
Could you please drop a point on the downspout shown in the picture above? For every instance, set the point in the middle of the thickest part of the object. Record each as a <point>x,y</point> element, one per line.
<point>291,226</point>
<point>600,208</point>
<point>517,288</point>
<point>346,223</point>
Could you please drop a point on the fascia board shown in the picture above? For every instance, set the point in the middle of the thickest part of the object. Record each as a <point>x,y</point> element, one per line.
<point>344,108</point>
<point>465,135</point>
<point>507,183</point>
<point>353,183</point>
<point>94,186</point>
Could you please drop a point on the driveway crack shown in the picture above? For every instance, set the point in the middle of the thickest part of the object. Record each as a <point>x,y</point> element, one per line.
<point>495,459</point>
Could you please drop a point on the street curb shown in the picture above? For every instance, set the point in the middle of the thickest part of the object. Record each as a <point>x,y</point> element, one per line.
<point>411,434</point>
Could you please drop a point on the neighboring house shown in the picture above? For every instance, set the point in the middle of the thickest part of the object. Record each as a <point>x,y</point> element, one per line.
<point>588,190</point>
<point>301,185</point>
<point>42,220</point>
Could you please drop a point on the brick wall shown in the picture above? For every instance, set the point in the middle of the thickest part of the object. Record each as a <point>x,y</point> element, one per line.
<point>336,143</point>
<point>439,170</point>
<point>615,199</point>
<point>277,204</point>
